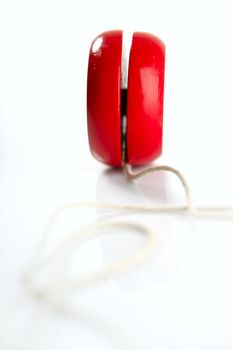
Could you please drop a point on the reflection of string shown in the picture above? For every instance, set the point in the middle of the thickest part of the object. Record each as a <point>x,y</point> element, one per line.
<point>58,282</point>
<point>62,248</point>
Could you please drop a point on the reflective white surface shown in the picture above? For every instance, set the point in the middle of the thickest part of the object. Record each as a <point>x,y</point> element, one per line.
<point>180,298</point>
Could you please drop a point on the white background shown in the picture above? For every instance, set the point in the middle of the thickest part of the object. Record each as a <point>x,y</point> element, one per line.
<point>181,298</point>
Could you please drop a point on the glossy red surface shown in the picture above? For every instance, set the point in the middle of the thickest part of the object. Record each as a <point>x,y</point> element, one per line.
<point>103,98</point>
<point>145,99</point>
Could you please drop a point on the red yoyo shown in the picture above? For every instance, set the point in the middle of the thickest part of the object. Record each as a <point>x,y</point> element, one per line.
<point>125,124</point>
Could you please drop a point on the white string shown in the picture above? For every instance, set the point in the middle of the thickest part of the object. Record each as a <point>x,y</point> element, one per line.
<point>57,280</point>
<point>214,212</point>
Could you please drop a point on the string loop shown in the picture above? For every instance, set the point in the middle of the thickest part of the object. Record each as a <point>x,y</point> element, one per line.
<point>57,257</point>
